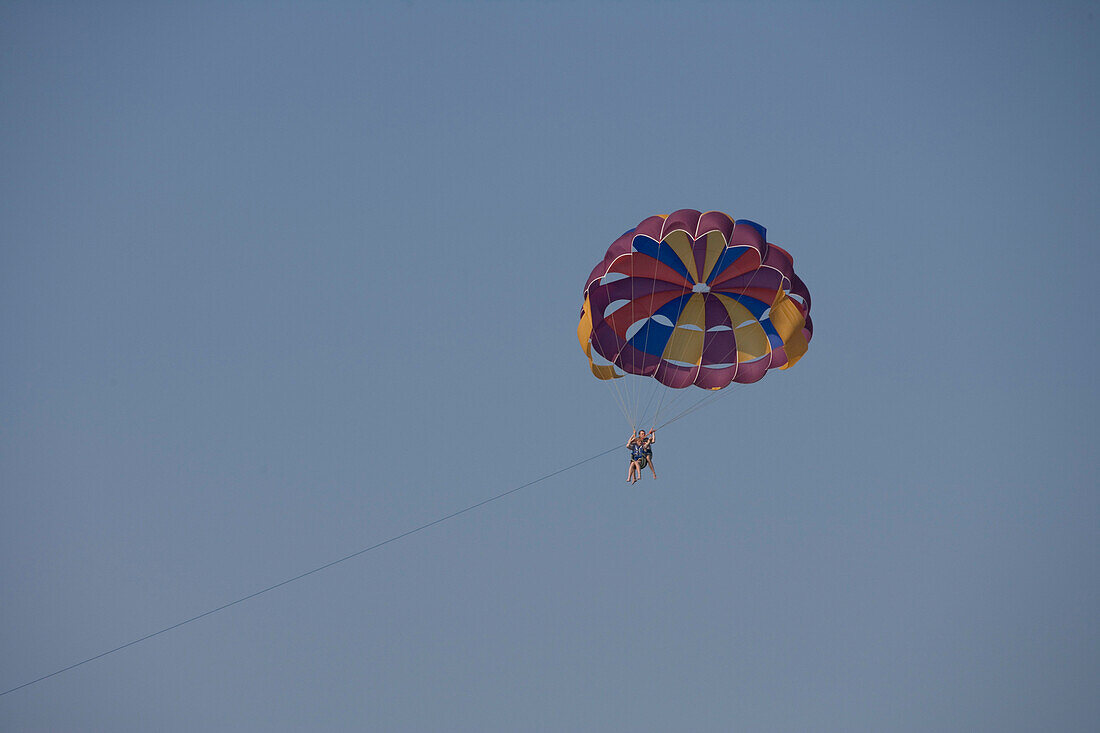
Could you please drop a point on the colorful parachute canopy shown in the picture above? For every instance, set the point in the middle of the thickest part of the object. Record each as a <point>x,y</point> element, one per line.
<point>693,298</point>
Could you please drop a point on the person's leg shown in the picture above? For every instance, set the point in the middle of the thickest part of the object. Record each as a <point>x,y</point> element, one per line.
<point>651,468</point>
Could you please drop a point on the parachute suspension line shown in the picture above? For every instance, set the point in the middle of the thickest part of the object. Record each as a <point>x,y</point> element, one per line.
<point>677,401</point>
<point>635,388</point>
<point>629,387</point>
<point>652,393</point>
<point>657,412</point>
<point>616,391</point>
<point>317,569</point>
<point>663,405</point>
<point>685,396</point>
<point>682,403</point>
<point>694,407</point>
<point>686,399</point>
<point>619,393</point>
<point>649,327</point>
<point>706,402</point>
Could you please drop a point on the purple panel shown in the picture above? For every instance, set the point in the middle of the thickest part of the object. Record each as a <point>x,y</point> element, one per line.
<point>605,341</point>
<point>780,259</point>
<point>715,314</point>
<point>619,247</point>
<point>779,357</point>
<point>715,378</point>
<point>799,288</point>
<point>601,296</point>
<point>719,347</point>
<point>636,361</point>
<point>686,219</point>
<point>634,287</point>
<point>644,307</point>
<point>641,265</point>
<point>715,221</point>
<point>752,371</point>
<point>768,279</point>
<point>599,299</point>
<point>597,272</point>
<point>747,235</point>
<point>651,227</point>
<point>699,250</point>
<point>675,376</point>
<point>631,360</point>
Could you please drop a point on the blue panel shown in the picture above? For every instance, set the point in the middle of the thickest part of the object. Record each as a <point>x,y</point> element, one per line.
<point>756,307</point>
<point>672,309</point>
<point>662,253</point>
<point>727,258</point>
<point>652,337</point>
<point>773,336</point>
<point>754,225</point>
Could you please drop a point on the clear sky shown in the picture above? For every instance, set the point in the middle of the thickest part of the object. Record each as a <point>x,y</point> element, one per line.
<point>281,280</point>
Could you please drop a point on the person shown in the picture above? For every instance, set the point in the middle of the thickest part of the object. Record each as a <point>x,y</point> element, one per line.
<point>648,451</point>
<point>638,459</point>
<point>632,445</point>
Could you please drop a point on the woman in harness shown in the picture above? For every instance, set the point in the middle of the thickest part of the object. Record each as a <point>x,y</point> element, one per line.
<point>641,455</point>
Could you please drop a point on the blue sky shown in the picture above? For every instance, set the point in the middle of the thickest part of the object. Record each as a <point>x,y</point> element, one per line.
<point>280,281</point>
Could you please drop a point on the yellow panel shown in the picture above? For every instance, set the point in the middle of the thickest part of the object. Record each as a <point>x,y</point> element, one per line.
<point>789,322</point>
<point>786,317</point>
<point>584,335</point>
<point>584,328</point>
<point>603,371</point>
<point>681,245</point>
<point>752,341</point>
<point>716,245</point>
<point>795,347</point>
<point>686,345</point>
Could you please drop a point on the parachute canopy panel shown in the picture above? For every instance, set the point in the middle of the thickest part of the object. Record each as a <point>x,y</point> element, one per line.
<point>694,298</point>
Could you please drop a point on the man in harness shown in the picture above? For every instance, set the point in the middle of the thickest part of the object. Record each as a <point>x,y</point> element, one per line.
<point>641,455</point>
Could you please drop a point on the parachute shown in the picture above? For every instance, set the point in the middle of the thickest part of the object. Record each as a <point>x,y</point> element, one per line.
<point>691,299</point>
